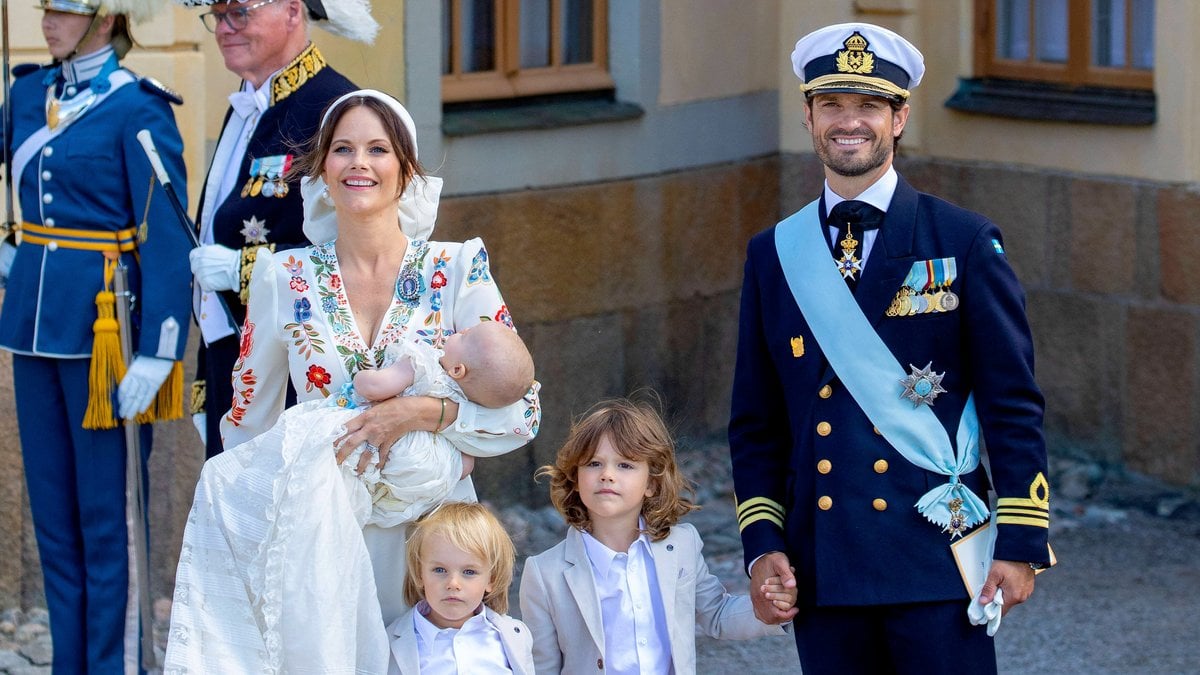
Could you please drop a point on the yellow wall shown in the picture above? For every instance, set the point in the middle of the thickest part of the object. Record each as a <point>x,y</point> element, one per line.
<point>725,49</point>
<point>1169,150</point>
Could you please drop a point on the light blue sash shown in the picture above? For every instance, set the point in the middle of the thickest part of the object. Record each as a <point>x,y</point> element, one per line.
<point>871,373</point>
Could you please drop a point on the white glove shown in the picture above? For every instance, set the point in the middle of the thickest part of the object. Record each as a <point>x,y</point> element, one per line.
<point>201,422</point>
<point>8,252</point>
<point>140,384</point>
<point>990,613</point>
<point>216,267</point>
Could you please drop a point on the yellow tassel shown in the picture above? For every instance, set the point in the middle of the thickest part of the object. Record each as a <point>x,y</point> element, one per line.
<point>168,403</point>
<point>107,367</point>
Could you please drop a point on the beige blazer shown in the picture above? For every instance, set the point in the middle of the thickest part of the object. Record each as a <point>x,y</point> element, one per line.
<point>514,635</point>
<point>560,604</point>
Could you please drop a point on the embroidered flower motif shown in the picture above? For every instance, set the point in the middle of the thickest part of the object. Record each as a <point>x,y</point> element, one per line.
<point>335,281</point>
<point>438,280</point>
<point>294,267</point>
<point>479,273</point>
<point>329,304</point>
<point>298,284</point>
<point>318,378</point>
<point>503,316</point>
<point>247,340</point>
<point>303,310</point>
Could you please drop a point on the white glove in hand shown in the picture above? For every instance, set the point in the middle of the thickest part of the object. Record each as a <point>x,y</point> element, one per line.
<point>216,267</point>
<point>7,253</point>
<point>989,613</point>
<point>140,384</point>
<point>201,422</point>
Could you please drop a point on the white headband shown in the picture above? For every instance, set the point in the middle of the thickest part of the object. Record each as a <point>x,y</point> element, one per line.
<point>417,209</point>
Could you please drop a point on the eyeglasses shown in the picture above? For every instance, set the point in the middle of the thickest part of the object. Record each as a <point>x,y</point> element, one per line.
<point>237,18</point>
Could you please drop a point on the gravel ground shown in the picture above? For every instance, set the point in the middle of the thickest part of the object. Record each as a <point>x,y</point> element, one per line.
<point>1123,599</point>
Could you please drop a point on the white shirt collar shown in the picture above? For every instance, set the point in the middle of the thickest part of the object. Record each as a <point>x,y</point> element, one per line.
<point>83,68</point>
<point>602,556</point>
<point>429,632</point>
<point>878,195</point>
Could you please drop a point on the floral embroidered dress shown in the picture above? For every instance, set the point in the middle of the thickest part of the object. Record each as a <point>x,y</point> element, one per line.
<point>276,574</point>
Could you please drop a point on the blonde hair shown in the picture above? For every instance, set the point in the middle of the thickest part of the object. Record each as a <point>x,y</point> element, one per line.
<point>499,366</point>
<point>470,527</point>
<point>637,432</point>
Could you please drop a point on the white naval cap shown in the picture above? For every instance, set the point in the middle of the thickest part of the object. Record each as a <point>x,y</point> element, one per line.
<point>859,58</point>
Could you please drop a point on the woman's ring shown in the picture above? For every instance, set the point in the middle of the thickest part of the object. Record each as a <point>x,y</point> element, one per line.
<point>372,448</point>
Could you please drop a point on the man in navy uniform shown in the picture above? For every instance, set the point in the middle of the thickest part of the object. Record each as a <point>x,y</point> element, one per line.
<point>89,203</point>
<point>858,313</point>
<point>247,200</point>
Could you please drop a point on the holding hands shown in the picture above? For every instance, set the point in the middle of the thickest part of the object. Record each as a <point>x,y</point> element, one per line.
<point>773,588</point>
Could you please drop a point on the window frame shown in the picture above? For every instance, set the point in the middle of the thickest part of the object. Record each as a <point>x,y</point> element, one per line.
<point>1078,71</point>
<point>508,80</point>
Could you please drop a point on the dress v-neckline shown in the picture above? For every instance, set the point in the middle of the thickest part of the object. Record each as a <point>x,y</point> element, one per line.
<point>394,304</point>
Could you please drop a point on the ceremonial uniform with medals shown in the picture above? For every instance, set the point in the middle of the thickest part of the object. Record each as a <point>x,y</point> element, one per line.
<point>261,209</point>
<point>835,385</point>
<point>89,200</point>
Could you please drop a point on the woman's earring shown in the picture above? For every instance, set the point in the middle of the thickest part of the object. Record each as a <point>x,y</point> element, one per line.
<point>325,196</point>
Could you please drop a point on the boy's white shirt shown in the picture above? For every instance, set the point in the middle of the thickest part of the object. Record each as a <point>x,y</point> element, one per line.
<point>560,604</point>
<point>473,644</point>
<point>635,634</point>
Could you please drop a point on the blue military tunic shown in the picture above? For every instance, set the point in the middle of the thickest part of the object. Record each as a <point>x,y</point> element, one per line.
<point>83,188</point>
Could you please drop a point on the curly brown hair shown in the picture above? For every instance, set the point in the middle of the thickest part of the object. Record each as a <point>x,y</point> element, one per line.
<point>470,527</point>
<point>637,432</point>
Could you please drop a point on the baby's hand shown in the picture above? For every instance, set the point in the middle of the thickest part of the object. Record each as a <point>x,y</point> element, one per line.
<point>774,590</point>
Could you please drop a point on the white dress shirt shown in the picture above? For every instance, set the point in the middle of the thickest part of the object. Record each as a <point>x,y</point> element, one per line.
<point>878,195</point>
<point>248,106</point>
<point>635,626</point>
<point>474,648</point>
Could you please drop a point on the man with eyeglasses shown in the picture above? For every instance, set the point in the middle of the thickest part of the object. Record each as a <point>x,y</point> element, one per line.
<point>247,201</point>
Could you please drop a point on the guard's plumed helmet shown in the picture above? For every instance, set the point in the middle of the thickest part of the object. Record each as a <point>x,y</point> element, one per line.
<point>348,18</point>
<point>126,11</point>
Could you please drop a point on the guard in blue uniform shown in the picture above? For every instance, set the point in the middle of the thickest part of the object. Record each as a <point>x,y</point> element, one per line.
<point>88,203</point>
<point>882,337</point>
<point>248,200</point>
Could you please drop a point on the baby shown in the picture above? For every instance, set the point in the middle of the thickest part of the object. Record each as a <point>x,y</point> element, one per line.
<point>487,364</point>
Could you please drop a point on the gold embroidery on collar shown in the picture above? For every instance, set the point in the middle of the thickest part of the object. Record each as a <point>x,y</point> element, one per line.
<point>301,70</point>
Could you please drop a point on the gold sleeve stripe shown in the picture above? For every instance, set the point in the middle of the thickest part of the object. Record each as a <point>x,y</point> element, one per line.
<point>1031,513</point>
<point>1016,520</point>
<point>1018,501</point>
<point>762,502</point>
<point>751,513</point>
<point>746,522</point>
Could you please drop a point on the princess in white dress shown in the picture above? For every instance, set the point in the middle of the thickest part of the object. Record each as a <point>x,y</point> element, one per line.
<point>276,574</point>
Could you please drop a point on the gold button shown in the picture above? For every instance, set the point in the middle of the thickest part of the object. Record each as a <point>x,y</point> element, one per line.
<point>825,503</point>
<point>876,430</point>
<point>881,466</point>
<point>823,429</point>
<point>879,504</point>
<point>825,392</point>
<point>824,466</point>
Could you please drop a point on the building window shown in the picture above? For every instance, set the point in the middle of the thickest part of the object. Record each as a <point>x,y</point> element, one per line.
<point>1073,60</point>
<point>504,49</point>
<point>1105,43</point>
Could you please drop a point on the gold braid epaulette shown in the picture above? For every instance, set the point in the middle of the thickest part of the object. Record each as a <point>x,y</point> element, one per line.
<point>249,255</point>
<point>301,70</point>
<point>199,396</point>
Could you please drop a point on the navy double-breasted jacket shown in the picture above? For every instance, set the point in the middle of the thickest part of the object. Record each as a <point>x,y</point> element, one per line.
<point>812,476</point>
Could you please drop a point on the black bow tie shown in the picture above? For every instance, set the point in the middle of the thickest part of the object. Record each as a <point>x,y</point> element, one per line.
<point>858,215</point>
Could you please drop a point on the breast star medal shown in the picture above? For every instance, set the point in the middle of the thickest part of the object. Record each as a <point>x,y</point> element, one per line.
<point>922,385</point>
<point>849,264</point>
<point>255,231</point>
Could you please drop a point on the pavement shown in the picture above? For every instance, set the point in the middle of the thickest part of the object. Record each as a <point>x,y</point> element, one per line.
<point>1124,598</point>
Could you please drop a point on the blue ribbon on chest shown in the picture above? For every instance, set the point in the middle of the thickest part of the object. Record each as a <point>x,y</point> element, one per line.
<point>872,374</point>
